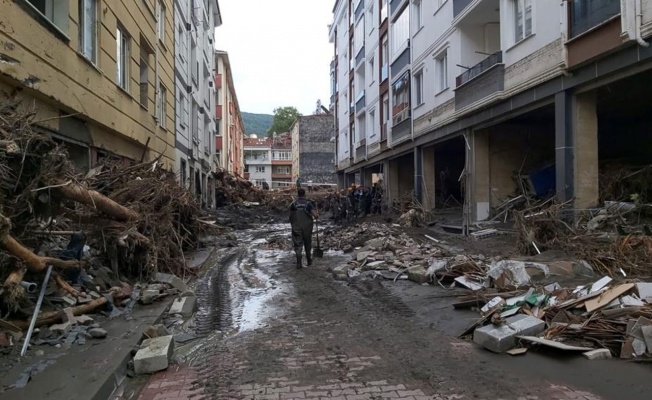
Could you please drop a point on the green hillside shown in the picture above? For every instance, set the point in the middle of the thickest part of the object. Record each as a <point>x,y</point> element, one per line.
<point>257,123</point>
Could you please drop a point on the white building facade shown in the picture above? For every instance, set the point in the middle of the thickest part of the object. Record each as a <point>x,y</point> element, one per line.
<point>196,128</point>
<point>447,98</point>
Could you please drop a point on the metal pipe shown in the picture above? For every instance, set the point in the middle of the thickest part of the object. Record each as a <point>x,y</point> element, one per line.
<point>30,287</point>
<point>30,331</point>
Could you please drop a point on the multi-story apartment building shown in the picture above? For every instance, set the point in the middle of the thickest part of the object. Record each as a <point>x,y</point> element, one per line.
<point>230,132</point>
<point>473,93</point>
<point>313,145</point>
<point>99,75</point>
<point>282,160</point>
<point>196,126</point>
<point>268,160</point>
<point>258,160</point>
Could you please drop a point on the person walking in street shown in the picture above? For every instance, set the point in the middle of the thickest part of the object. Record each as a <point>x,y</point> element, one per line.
<point>302,214</point>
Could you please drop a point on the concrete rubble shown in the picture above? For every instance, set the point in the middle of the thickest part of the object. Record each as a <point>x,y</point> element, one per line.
<point>154,355</point>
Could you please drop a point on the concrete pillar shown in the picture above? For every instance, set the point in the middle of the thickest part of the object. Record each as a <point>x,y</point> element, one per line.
<point>480,175</point>
<point>418,174</point>
<point>392,181</point>
<point>429,178</point>
<point>564,146</point>
<point>585,149</point>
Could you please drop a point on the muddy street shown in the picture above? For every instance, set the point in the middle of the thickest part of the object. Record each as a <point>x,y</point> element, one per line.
<point>273,332</point>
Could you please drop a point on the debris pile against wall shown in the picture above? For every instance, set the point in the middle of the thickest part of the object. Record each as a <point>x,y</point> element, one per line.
<point>127,221</point>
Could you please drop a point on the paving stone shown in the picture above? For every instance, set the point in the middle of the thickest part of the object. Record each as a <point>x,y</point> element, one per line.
<point>154,355</point>
<point>502,338</point>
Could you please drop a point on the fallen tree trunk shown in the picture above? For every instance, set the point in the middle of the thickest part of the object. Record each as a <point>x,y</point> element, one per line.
<point>35,263</point>
<point>53,317</point>
<point>13,293</point>
<point>97,200</point>
<point>64,285</point>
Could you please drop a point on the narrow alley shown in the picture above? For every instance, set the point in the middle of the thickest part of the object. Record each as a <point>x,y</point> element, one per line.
<point>282,333</point>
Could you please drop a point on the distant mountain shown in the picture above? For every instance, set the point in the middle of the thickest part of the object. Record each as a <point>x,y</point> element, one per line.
<point>257,123</point>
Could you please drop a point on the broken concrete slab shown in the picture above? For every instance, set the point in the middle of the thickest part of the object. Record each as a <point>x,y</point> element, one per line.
<point>502,338</point>
<point>375,264</point>
<point>418,274</point>
<point>341,272</point>
<point>154,355</point>
<point>554,344</point>
<point>363,255</point>
<point>646,331</point>
<point>644,290</point>
<point>60,329</point>
<point>84,320</point>
<point>69,316</point>
<point>172,280</point>
<point>598,354</point>
<point>185,306</point>
<point>154,331</point>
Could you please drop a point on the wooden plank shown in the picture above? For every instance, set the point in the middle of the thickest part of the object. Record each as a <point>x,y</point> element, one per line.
<point>607,297</point>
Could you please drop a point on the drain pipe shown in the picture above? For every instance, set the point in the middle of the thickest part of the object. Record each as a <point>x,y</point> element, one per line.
<point>30,287</point>
<point>639,22</point>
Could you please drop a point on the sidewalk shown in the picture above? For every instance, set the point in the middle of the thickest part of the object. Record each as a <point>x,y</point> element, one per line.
<point>179,382</point>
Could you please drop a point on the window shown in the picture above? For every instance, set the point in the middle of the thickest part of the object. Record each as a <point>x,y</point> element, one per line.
<point>439,3</point>
<point>282,170</point>
<point>383,10</point>
<point>194,121</point>
<point>418,15</point>
<point>183,173</point>
<point>384,59</point>
<point>523,19</point>
<point>418,88</point>
<point>372,71</point>
<point>194,63</point>
<point>144,79</point>
<point>260,169</point>
<point>88,29</point>
<point>122,58</point>
<point>401,99</point>
<point>371,18</point>
<point>55,11</point>
<point>371,123</point>
<point>441,69</point>
<point>183,110</point>
<point>160,21</point>
<point>162,105</point>
<point>400,33</point>
<point>260,182</point>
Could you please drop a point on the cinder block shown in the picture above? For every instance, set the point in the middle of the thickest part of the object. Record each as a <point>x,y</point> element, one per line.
<point>154,355</point>
<point>341,273</point>
<point>184,306</point>
<point>502,338</point>
<point>599,354</point>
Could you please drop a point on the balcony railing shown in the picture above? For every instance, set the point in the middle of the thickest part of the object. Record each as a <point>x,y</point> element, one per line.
<point>586,14</point>
<point>360,102</point>
<point>479,68</point>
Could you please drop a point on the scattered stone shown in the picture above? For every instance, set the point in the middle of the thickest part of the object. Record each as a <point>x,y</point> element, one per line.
<point>172,280</point>
<point>154,355</point>
<point>418,274</point>
<point>598,354</point>
<point>5,339</point>
<point>502,338</point>
<point>69,300</point>
<point>154,331</point>
<point>185,306</point>
<point>39,353</point>
<point>375,243</point>
<point>148,296</point>
<point>188,293</point>
<point>98,333</point>
<point>69,316</point>
<point>341,272</point>
<point>93,326</point>
<point>94,295</point>
<point>60,329</point>
<point>375,264</point>
<point>363,255</point>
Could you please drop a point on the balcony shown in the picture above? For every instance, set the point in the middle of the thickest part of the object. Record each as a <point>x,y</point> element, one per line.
<point>587,14</point>
<point>256,160</point>
<point>360,102</point>
<point>480,81</point>
<point>279,175</point>
<point>480,68</point>
<point>359,58</point>
<point>361,150</point>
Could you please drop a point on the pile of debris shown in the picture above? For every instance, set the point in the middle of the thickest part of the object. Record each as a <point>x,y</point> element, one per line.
<point>605,315</point>
<point>117,221</point>
<point>233,189</point>
<point>346,238</point>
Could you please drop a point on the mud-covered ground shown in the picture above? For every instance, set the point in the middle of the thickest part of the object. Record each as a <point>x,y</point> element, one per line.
<point>273,332</point>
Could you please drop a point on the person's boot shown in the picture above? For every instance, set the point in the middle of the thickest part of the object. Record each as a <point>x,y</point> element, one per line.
<point>299,266</point>
<point>309,261</point>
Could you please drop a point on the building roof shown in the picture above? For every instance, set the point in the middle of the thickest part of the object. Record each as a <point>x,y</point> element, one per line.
<point>265,142</point>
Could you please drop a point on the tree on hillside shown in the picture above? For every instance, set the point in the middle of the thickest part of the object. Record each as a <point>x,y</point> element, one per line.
<point>284,117</point>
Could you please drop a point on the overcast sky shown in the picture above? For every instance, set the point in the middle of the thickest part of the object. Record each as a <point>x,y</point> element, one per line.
<point>279,52</point>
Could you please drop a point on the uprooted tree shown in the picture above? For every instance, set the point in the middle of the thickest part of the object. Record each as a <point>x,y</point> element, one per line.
<point>138,217</point>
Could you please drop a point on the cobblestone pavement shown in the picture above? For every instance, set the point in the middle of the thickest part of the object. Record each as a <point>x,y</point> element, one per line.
<point>328,340</point>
